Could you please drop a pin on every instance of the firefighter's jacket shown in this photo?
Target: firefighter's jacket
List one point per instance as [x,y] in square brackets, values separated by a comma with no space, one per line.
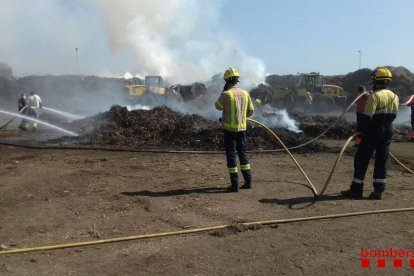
[236,105]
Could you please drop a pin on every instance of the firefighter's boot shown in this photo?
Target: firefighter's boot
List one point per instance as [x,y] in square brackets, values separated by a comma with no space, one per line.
[355,191]
[234,179]
[247,175]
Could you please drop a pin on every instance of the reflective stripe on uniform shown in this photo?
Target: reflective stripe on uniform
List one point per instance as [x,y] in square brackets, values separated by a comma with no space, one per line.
[379,180]
[232,170]
[219,106]
[356,180]
[245,167]
[233,124]
[246,98]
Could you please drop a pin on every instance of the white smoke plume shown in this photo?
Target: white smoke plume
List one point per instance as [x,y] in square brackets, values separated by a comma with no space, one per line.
[180,40]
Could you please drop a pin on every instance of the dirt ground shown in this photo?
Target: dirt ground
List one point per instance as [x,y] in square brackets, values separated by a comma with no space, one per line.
[51,197]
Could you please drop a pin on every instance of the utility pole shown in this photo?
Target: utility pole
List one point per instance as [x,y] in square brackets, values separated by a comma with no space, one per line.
[77,64]
[360,53]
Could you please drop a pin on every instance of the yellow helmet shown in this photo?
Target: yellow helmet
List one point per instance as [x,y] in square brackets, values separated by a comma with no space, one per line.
[231,72]
[382,74]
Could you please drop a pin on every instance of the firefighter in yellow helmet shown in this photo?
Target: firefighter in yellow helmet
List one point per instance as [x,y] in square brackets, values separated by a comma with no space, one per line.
[412,123]
[236,105]
[410,103]
[376,130]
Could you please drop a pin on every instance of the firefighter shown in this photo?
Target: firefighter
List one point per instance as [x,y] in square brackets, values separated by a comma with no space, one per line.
[34,102]
[360,107]
[410,103]
[412,122]
[23,109]
[236,105]
[412,118]
[376,129]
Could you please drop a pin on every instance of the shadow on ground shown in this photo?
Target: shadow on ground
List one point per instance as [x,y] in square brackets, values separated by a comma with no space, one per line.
[293,203]
[206,190]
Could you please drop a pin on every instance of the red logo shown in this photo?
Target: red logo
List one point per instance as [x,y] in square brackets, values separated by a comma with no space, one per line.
[391,257]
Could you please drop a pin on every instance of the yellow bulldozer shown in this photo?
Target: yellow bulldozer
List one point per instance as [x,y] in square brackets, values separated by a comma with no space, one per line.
[152,85]
[310,94]
[324,97]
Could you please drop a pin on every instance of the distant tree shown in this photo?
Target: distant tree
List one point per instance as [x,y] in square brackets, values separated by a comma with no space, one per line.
[5,70]
[352,80]
[403,81]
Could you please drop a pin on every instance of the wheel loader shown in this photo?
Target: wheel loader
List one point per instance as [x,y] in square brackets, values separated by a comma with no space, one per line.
[309,94]
[153,87]
[324,97]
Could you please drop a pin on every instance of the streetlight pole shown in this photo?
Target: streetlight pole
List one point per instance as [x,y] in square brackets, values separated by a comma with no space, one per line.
[360,53]
[77,64]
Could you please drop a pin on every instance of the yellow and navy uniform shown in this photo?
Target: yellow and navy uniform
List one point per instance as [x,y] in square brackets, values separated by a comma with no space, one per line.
[236,105]
[412,122]
[381,109]
[376,127]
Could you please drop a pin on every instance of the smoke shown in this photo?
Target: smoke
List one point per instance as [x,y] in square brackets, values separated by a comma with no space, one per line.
[275,118]
[403,116]
[204,106]
[180,40]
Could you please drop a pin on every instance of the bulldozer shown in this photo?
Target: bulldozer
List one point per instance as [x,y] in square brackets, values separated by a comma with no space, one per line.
[191,91]
[309,94]
[152,85]
[324,97]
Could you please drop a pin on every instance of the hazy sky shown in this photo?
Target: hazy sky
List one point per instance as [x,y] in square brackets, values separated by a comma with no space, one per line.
[190,40]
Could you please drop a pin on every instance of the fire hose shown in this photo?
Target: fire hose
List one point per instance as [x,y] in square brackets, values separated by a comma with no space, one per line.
[220,227]
[246,224]
[204,229]
[314,190]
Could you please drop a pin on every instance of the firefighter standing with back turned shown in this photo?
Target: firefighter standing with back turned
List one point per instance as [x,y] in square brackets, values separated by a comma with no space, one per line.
[34,103]
[411,104]
[376,129]
[236,105]
[412,122]
[22,106]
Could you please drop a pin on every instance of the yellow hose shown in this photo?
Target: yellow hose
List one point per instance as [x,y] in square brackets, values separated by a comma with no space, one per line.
[336,163]
[401,164]
[314,190]
[291,156]
[198,230]
[205,229]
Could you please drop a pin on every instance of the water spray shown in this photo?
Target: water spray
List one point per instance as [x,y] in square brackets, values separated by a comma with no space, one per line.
[40,122]
[138,106]
[65,114]
[9,122]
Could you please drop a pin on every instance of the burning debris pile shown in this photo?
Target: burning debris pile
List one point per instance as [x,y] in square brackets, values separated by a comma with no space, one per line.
[163,128]
[315,125]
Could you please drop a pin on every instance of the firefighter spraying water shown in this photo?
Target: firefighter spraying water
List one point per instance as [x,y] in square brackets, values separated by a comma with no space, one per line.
[34,121]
